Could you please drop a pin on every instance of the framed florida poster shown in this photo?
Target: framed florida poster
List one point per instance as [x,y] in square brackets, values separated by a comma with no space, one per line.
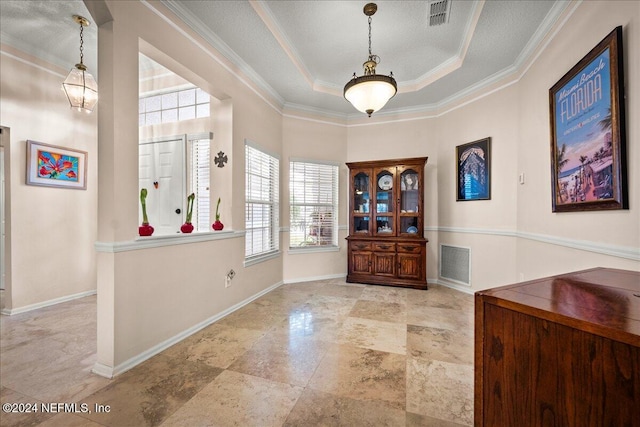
[588,136]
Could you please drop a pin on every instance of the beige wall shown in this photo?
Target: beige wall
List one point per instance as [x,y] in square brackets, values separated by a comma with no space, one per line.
[404,139]
[147,296]
[325,142]
[52,229]
[605,230]
[479,225]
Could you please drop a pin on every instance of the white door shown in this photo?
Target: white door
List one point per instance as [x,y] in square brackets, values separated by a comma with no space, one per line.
[162,173]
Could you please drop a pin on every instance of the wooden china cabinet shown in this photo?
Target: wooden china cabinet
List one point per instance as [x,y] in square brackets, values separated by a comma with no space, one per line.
[386,244]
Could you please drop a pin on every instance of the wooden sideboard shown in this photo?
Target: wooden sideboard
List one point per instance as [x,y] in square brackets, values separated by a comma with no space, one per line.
[559,351]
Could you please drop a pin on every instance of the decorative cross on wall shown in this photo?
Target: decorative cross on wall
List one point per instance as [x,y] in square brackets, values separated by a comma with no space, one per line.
[220,159]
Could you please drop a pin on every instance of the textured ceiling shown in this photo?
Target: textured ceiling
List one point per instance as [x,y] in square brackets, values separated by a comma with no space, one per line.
[303,52]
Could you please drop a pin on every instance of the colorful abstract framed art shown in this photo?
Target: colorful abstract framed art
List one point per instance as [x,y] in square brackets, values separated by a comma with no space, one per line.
[588,137]
[52,166]
[474,170]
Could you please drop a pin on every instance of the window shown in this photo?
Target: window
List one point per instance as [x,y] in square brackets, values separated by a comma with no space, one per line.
[173,106]
[199,161]
[262,203]
[313,191]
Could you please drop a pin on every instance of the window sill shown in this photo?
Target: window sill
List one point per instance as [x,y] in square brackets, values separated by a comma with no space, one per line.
[312,249]
[166,240]
[261,258]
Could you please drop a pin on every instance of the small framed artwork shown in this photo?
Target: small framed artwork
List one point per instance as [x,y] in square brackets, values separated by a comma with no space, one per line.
[52,166]
[474,170]
[588,136]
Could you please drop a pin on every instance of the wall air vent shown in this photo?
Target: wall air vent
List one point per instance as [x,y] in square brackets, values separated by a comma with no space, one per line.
[439,12]
[455,264]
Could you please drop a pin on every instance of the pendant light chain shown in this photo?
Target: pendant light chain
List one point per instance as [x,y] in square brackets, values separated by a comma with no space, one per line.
[370,92]
[369,35]
[81,43]
[80,86]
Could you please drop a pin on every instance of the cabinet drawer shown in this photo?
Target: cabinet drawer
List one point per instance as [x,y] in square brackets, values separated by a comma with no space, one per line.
[409,248]
[384,247]
[360,246]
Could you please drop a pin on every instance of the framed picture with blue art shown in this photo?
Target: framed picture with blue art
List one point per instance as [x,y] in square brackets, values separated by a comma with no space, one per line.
[588,136]
[474,170]
[52,166]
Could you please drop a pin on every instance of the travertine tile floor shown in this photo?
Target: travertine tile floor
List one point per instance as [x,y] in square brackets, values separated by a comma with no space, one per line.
[323,353]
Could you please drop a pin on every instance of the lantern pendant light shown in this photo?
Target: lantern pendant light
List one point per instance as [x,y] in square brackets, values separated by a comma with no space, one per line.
[80,86]
[370,92]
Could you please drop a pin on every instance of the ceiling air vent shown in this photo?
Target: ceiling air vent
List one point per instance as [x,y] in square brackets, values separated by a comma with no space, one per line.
[439,12]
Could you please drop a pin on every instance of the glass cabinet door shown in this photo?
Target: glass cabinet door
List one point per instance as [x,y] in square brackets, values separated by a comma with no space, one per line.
[361,203]
[385,203]
[409,201]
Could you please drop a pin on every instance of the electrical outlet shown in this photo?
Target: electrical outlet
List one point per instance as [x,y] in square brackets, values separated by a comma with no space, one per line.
[227,279]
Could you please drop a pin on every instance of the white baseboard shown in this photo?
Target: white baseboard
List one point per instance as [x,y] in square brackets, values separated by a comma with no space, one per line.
[30,307]
[314,278]
[465,289]
[110,372]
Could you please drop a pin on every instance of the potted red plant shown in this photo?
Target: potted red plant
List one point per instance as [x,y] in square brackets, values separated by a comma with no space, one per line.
[145,229]
[218,225]
[187,227]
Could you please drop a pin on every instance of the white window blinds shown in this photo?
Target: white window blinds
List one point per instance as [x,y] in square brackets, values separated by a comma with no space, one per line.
[199,165]
[313,189]
[262,202]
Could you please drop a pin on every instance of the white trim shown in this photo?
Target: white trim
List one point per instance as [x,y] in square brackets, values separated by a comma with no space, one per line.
[312,249]
[39,67]
[102,370]
[257,259]
[168,240]
[108,372]
[199,136]
[465,289]
[327,114]
[250,143]
[47,303]
[288,229]
[492,232]
[518,69]
[266,15]
[218,45]
[524,63]
[182,137]
[454,62]
[314,161]
[314,278]
[626,252]
[585,245]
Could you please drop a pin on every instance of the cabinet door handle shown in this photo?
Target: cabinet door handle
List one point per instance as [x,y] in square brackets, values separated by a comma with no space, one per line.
[409,248]
[385,247]
[361,246]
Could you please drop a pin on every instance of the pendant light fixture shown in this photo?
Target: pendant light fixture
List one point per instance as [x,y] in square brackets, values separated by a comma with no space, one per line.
[370,92]
[80,86]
